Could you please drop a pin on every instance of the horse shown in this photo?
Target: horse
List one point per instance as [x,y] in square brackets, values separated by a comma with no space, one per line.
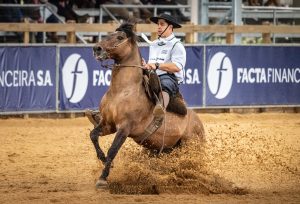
[125,109]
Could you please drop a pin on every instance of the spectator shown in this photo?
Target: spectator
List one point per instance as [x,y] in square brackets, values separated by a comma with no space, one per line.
[12,14]
[132,14]
[176,13]
[138,13]
[147,2]
[123,13]
[51,18]
[272,3]
[65,9]
[254,3]
[32,13]
[85,3]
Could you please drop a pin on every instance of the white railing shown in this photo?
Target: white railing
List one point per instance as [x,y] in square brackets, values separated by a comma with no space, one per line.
[43,8]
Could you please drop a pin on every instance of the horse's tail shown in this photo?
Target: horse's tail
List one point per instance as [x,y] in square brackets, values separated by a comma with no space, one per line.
[195,128]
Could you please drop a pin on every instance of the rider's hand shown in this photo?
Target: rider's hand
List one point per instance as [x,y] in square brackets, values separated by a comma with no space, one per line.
[143,62]
[150,66]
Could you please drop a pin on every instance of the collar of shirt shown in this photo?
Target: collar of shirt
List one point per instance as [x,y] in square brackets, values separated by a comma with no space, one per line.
[163,41]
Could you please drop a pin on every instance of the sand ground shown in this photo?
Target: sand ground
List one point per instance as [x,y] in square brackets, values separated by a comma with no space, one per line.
[248,158]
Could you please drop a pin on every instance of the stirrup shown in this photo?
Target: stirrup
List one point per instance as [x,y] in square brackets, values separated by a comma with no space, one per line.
[91,116]
[158,110]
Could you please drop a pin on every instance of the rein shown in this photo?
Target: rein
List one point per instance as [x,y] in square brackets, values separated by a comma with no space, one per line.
[111,66]
[129,65]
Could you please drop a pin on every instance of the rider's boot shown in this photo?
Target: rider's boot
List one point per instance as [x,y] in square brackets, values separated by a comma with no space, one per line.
[161,104]
[93,116]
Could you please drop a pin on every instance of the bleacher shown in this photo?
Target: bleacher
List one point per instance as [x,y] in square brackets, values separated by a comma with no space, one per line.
[209,14]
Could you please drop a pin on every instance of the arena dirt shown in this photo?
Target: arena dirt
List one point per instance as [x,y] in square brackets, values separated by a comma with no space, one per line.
[253,158]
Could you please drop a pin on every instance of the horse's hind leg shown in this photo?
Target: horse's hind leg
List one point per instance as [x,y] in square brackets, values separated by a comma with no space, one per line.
[94,135]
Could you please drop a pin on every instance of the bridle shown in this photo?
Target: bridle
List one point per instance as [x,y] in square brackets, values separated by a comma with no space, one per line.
[114,65]
[118,45]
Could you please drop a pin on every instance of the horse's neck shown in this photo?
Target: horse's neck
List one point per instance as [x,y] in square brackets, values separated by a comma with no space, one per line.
[129,72]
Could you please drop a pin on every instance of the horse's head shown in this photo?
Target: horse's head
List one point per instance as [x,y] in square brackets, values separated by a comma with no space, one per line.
[116,45]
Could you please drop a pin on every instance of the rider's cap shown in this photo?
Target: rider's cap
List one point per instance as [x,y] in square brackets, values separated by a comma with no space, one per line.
[170,19]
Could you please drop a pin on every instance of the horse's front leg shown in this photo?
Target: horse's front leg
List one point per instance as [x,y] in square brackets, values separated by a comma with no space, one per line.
[94,135]
[120,138]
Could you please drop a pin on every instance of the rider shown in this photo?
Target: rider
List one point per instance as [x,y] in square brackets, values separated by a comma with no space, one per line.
[167,57]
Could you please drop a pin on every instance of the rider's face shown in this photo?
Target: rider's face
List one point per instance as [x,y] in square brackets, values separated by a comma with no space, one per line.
[161,26]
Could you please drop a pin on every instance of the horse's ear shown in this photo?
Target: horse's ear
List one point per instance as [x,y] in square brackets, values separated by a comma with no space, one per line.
[133,22]
[128,28]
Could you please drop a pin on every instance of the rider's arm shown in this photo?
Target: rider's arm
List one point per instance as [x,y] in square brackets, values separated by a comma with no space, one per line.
[169,67]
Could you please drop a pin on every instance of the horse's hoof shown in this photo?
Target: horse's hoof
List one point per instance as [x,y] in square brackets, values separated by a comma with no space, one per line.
[101,183]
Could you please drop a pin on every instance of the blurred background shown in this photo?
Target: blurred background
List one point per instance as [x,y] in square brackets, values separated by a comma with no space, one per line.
[211,13]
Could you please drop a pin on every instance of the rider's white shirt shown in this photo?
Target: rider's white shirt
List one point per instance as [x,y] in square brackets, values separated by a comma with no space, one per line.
[166,50]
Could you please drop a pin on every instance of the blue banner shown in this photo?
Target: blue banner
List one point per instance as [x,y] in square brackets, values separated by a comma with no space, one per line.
[252,75]
[192,87]
[27,78]
[84,81]
[234,76]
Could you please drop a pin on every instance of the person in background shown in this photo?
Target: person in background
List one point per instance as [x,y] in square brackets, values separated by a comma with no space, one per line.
[127,14]
[138,13]
[174,12]
[254,3]
[271,3]
[122,13]
[12,15]
[65,9]
[85,3]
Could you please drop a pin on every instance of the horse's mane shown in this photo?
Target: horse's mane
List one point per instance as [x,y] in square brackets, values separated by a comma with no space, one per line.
[128,28]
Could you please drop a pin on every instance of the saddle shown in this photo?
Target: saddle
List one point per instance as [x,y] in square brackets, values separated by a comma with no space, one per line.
[153,88]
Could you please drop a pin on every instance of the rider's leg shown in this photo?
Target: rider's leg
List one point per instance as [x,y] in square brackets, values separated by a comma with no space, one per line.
[161,104]
[166,98]
[169,87]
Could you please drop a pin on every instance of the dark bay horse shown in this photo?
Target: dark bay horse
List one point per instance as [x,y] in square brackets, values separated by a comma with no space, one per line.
[126,110]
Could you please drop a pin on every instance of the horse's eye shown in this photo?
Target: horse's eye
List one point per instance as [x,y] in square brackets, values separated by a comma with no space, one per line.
[120,38]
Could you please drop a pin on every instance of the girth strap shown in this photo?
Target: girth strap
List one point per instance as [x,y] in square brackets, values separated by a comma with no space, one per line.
[152,127]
